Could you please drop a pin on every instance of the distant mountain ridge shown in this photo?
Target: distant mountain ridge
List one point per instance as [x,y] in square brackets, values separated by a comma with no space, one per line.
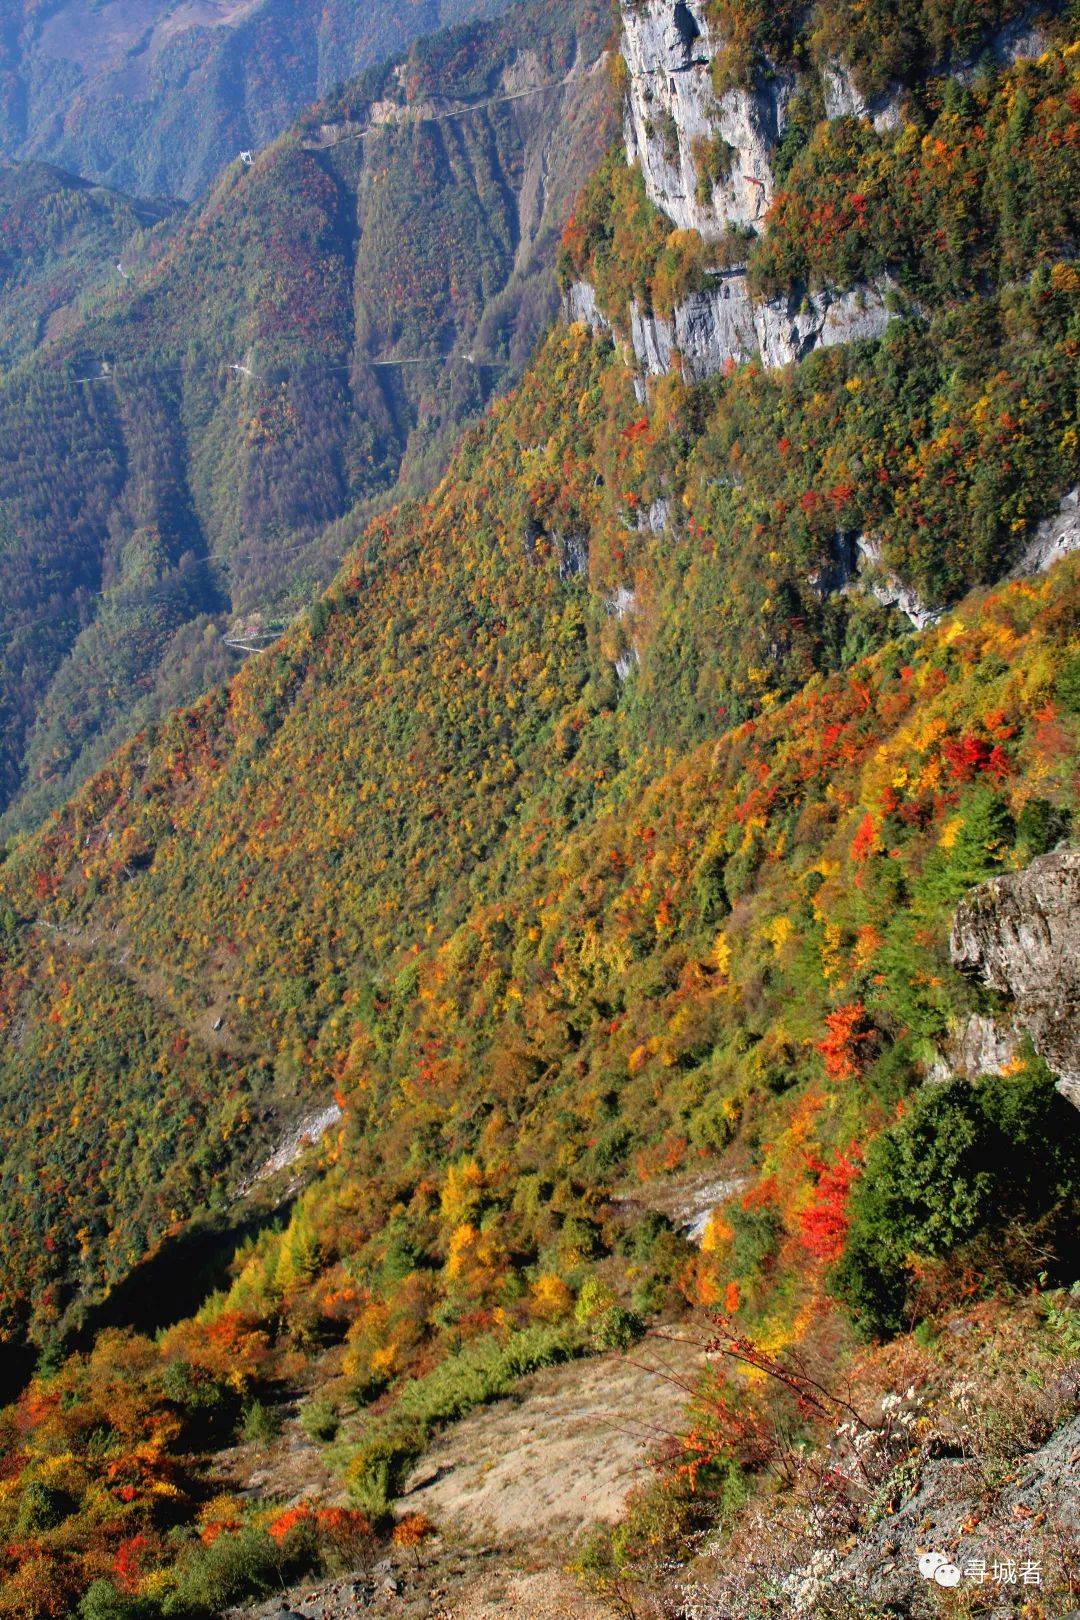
[322,324]
[153,96]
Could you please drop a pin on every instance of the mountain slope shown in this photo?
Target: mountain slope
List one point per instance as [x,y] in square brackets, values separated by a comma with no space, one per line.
[500,655]
[60,237]
[155,96]
[745,951]
[598,835]
[176,457]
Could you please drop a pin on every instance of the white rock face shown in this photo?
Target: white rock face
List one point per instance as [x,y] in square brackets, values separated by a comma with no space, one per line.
[885,588]
[623,608]
[656,518]
[1054,539]
[581,305]
[721,324]
[672,109]
[842,100]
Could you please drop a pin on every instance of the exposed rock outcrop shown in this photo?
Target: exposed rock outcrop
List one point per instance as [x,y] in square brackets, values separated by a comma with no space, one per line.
[1020,934]
[573,552]
[975,1520]
[721,324]
[707,163]
[885,588]
[706,160]
[1055,538]
[581,305]
[976,1047]
[843,100]
[657,518]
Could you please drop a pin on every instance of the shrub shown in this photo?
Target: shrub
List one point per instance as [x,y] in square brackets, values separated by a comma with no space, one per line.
[713,158]
[42,1508]
[1068,686]
[756,1237]
[1040,826]
[377,1469]
[103,1602]
[319,1420]
[617,1328]
[234,1567]
[712,1126]
[595,1298]
[710,894]
[962,1161]
[259,1425]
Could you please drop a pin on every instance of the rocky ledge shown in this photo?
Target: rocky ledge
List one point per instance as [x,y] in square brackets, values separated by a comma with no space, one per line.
[722,324]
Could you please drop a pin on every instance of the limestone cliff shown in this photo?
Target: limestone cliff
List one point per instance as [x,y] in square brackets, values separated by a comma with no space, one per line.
[723,323]
[1020,934]
[1057,537]
[706,160]
[708,163]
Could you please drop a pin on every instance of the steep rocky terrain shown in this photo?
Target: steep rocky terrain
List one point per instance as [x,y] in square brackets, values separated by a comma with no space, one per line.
[708,152]
[154,96]
[1018,934]
[589,855]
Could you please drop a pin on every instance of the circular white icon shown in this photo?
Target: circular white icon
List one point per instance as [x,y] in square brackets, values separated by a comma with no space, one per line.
[930,1563]
[947,1574]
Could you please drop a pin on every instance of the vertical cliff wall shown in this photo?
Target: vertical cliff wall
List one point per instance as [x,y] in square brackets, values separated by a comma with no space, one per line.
[708,161]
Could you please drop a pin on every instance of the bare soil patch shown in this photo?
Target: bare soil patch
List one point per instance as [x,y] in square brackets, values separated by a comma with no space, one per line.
[564,1453]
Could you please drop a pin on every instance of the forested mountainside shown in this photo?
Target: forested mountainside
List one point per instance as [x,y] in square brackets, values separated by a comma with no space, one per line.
[605,824]
[61,238]
[154,96]
[319,327]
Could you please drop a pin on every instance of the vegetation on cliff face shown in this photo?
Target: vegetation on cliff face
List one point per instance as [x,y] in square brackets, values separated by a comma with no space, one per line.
[976,188]
[595,826]
[885,46]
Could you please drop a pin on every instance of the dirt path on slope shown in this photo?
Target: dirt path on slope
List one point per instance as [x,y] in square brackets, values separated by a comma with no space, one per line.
[109,949]
[511,1489]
